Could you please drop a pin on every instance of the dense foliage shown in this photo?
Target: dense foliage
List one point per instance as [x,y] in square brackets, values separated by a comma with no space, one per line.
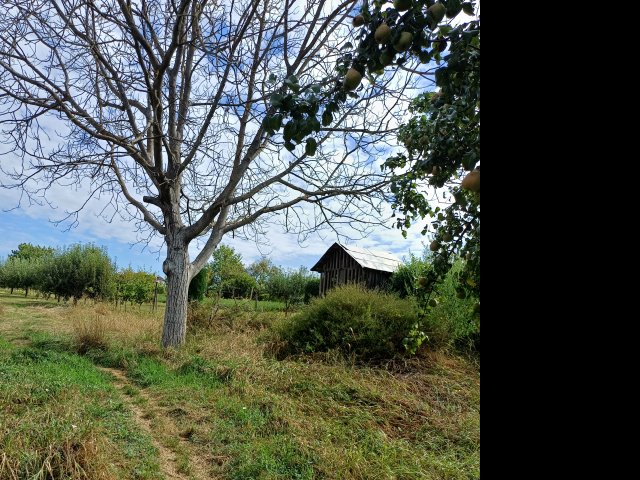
[448,316]
[228,277]
[77,271]
[198,286]
[74,272]
[135,287]
[367,324]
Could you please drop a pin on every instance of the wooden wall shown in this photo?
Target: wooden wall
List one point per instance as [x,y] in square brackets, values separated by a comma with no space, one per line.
[341,269]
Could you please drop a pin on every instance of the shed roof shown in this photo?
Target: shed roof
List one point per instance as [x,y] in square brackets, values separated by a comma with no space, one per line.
[372,259]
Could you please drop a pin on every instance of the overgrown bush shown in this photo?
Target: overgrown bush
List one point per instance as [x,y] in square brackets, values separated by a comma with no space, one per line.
[369,325]
[449,316]
[135,287]
[201,314]
[90,334]
[452,321]
[198,285]
[406,279]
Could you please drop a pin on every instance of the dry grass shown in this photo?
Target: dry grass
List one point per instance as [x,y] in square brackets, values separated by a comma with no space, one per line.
[251,416]
[72,460]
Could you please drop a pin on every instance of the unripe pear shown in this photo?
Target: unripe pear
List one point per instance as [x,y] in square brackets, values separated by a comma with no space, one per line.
[358,21]
[402,5]
[404,42]
[383,34]
[437,11]
[472,181]
[352,79]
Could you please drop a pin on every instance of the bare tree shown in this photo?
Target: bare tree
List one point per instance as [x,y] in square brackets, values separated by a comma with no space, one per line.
[168,110]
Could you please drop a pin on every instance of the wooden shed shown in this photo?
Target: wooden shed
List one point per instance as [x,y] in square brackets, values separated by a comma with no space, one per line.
[342,264]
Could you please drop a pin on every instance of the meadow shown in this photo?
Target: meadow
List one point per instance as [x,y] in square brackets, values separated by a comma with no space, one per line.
[87,393]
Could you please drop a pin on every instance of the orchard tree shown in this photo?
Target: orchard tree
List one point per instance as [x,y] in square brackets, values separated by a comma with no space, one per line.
[442,137]
[196,118]
[135,287]
[228,276]
[79,270]
[438,42]
[27,251]
[261,271]
[19,272]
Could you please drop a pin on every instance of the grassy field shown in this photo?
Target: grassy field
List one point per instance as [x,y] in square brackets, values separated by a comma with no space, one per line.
[85,392]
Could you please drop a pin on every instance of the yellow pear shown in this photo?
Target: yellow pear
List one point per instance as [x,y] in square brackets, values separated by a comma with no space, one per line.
[472,181]
[358,21]
[404,42]
[383,34]
[352,79]
[437,11]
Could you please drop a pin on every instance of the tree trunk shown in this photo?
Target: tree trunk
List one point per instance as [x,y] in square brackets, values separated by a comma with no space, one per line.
[176,268]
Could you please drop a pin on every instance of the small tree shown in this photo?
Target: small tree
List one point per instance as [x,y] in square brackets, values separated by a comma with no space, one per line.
[23,266]
[79,270]
[135,287]
[229,278]
[28,251]
[262,270]
[289,286]
[198,285]
[20,272]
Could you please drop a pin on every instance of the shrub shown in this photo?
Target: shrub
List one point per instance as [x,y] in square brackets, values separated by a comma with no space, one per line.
[135,287]
[201,314]
[368,324]
[90,334]
[198,285]
[453,321]
[405,280]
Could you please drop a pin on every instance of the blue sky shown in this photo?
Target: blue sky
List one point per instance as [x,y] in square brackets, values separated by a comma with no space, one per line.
[31,224]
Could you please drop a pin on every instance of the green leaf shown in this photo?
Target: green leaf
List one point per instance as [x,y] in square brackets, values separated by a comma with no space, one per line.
[289,131]
[277,100]
[311,147]
[453,8]
[289,146]
[292,83]
[327,118]
[467,7]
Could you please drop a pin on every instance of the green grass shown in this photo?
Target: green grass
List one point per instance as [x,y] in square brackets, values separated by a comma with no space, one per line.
[250,305]
[61,418]
[222,402]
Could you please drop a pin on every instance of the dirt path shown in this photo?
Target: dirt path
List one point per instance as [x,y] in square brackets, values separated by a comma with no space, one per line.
[168,459]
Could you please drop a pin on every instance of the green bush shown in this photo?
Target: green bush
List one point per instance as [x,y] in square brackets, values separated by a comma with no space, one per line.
[451,321]
[405,281]
[135,287]
[198,285]
[450,317]
[370,325]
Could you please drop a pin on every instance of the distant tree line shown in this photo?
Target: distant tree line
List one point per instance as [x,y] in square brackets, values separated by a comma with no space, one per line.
[86,271]
[75,272]
[227,277]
